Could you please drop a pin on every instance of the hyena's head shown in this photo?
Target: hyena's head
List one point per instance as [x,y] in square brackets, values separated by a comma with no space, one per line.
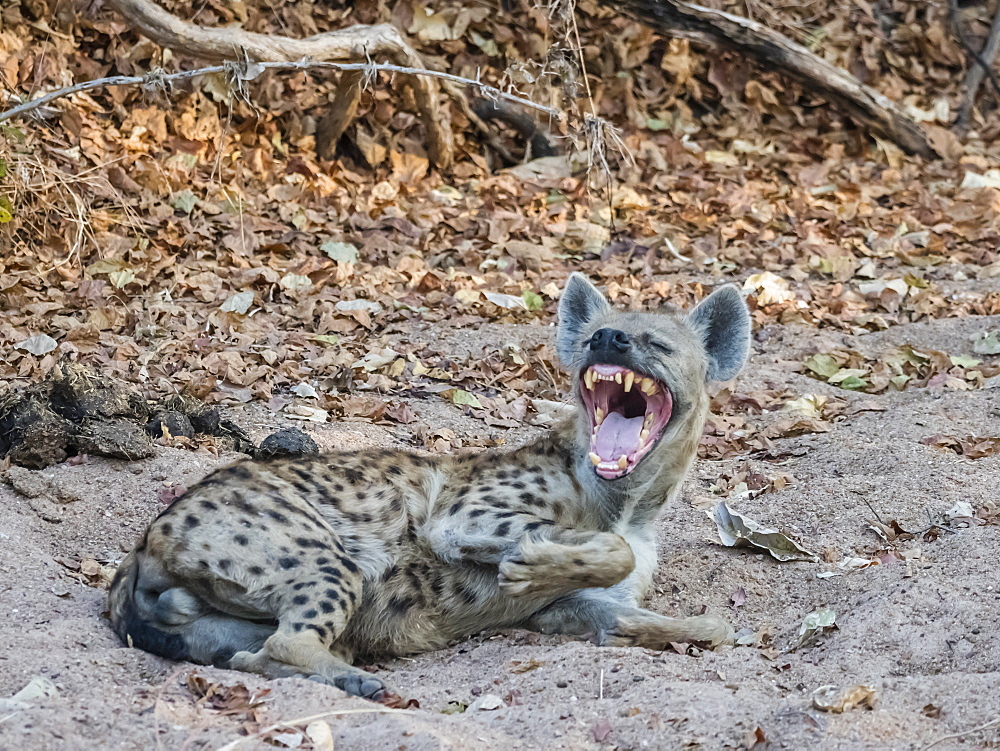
[641,377]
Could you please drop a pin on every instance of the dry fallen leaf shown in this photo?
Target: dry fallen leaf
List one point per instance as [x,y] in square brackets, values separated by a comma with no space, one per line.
[837,700]
[736,531]
[815,623]
[39,344]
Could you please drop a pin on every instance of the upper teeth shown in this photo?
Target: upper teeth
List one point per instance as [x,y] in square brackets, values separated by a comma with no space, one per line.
[627,378]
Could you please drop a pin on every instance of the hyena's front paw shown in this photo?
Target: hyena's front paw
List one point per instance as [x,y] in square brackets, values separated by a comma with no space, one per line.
[653,631]
[552,568]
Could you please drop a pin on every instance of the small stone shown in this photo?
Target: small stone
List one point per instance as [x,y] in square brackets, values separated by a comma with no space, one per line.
[561,684]
[177,423]
[287,442]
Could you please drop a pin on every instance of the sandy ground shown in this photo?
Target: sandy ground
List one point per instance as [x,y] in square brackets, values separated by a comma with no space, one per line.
[921,631]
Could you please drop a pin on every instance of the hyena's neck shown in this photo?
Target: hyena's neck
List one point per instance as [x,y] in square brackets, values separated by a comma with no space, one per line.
[634,500]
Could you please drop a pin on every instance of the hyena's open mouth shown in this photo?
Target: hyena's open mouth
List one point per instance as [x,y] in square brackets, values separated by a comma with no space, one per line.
[628,412]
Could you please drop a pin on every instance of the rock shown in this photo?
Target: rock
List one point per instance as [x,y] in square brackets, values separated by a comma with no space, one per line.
[117,438]
[287,442]
[177,423]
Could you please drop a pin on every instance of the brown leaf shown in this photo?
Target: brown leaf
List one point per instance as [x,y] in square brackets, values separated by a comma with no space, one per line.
[601,730]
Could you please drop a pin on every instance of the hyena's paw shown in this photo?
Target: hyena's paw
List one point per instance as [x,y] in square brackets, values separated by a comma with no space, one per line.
[552,568]
[359,683]
[653,631]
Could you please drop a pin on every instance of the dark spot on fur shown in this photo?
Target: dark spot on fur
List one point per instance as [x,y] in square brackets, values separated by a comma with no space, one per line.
[167,529]
[277,516]
[225,563]
[241,540]
[349,565]
[305,542]
[579,562]
[288,562]
[399,605]
[476,512]
[240,472]
[532,526]
[300,599]
[310,613]
[208,506]
[455,508]
[503,529]
[191,521]
[332,572]
[256,570]
[326,606]
[297,627]
[467,594]
[322,632]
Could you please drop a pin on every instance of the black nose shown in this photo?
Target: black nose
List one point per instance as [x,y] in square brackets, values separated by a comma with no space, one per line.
[609,340]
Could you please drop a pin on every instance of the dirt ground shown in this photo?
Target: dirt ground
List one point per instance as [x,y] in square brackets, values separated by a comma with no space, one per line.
[921,628]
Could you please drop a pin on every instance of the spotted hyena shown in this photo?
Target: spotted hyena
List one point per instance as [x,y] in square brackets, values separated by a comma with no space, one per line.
[297,567]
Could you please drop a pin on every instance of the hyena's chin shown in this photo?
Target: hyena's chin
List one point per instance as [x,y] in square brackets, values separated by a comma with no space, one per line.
[628,412]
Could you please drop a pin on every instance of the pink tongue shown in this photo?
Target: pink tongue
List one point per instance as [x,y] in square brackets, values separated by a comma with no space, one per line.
[618,435]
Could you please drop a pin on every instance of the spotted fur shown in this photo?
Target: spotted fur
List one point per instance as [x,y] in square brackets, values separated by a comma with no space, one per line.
[300,567]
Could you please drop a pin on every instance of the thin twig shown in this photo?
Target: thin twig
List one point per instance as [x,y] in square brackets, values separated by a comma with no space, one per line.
[995,723]
[247,71]
[877,517]
[673,250]
[300,720]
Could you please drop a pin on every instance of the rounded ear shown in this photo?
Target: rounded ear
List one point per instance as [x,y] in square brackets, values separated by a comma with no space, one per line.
[723,323]
[580,304]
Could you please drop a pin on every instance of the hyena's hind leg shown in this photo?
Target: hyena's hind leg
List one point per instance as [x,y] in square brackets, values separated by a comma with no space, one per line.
[609,618]
[313,608]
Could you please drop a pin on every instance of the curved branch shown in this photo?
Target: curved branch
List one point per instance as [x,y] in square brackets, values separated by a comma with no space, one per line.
[777,52]
[353,44]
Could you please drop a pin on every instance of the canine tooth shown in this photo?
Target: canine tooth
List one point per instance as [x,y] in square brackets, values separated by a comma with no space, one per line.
[594,458]
[644,435]
[629,380]
[618,377]
[588,378]
[622,461]
[599,415]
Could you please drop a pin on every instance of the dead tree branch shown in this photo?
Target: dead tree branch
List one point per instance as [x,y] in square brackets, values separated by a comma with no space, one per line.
[774,51]
[352,45]
[980,65]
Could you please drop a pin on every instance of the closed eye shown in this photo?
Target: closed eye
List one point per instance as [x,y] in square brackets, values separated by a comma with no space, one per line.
[665,349]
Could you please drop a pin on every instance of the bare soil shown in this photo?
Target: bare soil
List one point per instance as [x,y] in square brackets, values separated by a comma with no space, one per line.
[921,628]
